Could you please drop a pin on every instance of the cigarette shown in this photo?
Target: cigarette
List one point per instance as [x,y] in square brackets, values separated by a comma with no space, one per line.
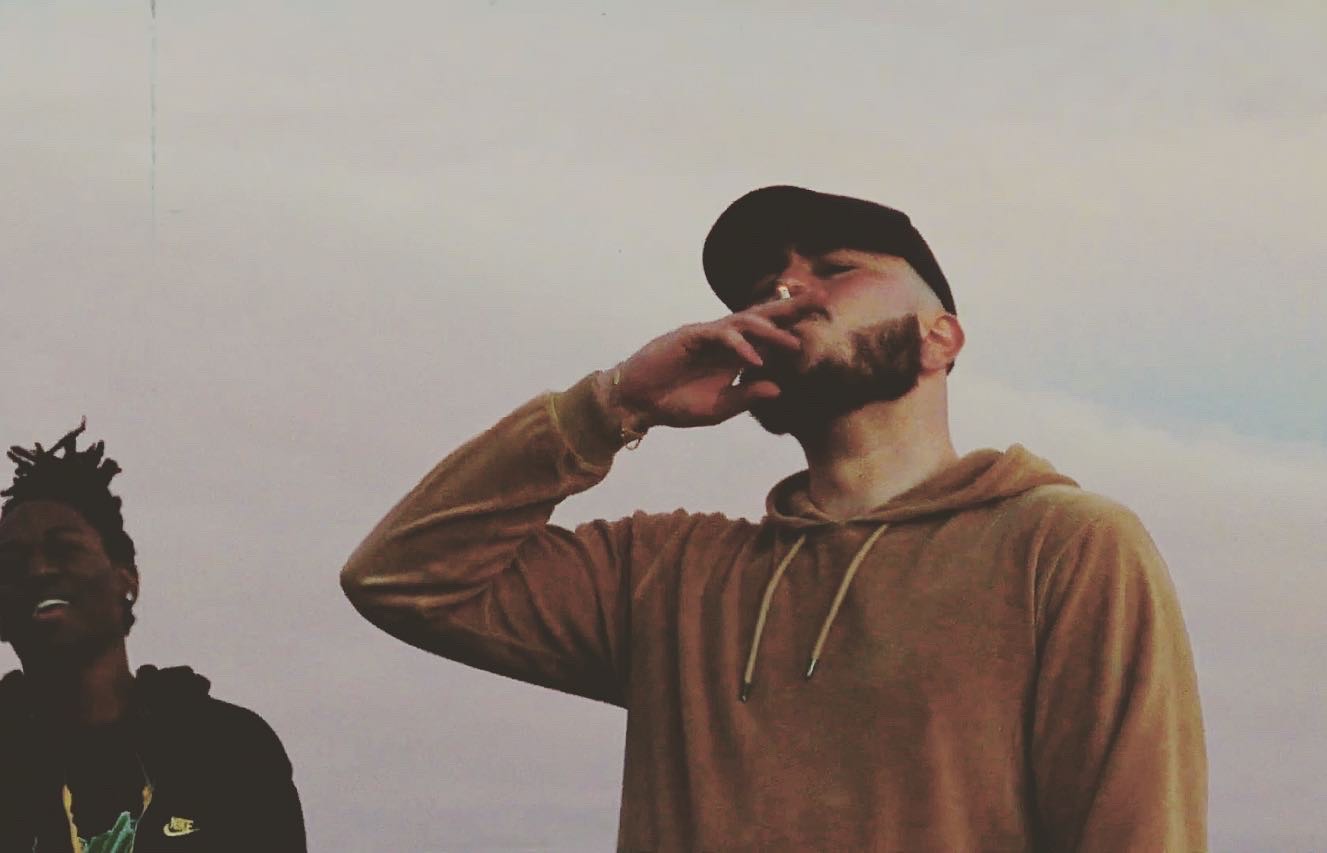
[784,292]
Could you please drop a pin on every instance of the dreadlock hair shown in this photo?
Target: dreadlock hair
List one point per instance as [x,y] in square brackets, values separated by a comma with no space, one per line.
[79,479]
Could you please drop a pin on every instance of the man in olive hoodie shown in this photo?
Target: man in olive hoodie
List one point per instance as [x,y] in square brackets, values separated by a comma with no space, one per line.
[911,651]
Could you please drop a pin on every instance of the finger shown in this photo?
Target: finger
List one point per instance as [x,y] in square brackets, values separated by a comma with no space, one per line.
[785,311]
[762,330]
[719,344]
[732,339]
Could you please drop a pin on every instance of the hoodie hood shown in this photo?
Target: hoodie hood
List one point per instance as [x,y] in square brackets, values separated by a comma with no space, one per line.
[173,685]
[978,478]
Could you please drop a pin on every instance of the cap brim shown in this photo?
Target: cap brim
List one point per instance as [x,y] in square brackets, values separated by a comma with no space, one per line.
[752,237]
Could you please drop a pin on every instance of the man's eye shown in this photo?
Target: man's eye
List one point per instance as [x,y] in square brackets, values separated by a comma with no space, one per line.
[829,270]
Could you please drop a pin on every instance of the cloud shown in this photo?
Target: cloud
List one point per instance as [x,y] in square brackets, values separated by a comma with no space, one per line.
[379,232]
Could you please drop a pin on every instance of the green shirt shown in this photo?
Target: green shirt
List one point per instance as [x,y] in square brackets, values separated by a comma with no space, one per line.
[118,839]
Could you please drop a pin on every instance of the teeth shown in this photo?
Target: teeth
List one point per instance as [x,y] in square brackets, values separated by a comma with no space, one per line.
[48,603]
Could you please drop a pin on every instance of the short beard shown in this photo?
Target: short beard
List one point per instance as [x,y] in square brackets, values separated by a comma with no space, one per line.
[885,364]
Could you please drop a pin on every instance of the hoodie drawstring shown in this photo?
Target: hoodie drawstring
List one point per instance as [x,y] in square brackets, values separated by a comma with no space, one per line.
[842,593]
[68,796]
[760,619]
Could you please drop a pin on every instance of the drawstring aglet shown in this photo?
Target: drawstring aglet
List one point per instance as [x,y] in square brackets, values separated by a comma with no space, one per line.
[745,693]
[811,670]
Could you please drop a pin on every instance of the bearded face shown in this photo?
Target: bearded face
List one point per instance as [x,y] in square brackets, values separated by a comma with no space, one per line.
[883,363]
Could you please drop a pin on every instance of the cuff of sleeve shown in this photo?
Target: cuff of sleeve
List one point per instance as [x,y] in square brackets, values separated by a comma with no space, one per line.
[592,433]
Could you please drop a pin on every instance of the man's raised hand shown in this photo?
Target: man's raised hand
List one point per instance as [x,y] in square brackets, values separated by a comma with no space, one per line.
[686,377]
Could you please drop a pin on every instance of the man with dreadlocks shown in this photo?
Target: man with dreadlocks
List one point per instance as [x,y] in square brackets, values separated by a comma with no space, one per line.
[93,757]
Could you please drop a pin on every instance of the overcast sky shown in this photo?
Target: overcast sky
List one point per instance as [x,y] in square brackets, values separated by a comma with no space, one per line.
[379,227]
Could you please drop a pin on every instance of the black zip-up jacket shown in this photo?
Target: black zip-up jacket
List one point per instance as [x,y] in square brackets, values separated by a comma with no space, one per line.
[221,779]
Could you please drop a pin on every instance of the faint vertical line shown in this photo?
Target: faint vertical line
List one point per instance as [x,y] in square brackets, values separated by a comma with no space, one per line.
[152,110]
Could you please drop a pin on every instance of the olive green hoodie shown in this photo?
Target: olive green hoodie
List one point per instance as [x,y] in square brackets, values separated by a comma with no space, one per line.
[1000,661]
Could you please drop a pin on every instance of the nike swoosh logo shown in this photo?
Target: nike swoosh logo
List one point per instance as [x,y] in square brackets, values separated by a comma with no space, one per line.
[178,827]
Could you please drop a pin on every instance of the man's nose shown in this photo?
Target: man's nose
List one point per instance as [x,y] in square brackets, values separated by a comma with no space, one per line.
[39,566]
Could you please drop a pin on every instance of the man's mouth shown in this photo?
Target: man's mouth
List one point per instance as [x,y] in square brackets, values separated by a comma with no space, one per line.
[49,606]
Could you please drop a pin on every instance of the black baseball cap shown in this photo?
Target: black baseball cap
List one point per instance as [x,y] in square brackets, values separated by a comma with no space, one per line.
[749,239]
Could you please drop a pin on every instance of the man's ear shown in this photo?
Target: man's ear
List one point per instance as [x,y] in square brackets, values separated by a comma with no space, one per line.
[128,579]
[941,341]
[128,592]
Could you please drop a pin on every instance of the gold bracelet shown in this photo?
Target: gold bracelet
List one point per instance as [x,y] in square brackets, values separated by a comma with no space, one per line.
[629,437]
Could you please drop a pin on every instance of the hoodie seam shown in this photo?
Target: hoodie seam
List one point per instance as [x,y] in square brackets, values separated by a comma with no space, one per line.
[550,406]
[1044,578]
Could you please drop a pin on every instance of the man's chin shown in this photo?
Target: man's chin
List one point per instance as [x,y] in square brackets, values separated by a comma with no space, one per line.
[773,422]
[802,411]
[63,648]
[790,414]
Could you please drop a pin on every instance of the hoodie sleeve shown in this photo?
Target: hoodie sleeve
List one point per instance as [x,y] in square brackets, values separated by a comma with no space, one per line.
[1117,745]
[467,566]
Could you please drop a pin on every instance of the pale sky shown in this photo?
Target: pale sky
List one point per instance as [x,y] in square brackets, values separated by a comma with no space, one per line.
[381,227]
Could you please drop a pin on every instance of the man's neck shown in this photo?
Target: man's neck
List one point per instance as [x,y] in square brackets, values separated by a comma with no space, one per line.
[94,693]
[876,453]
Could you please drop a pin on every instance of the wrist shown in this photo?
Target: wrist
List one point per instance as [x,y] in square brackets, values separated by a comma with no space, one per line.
[632,422]
[590,430]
